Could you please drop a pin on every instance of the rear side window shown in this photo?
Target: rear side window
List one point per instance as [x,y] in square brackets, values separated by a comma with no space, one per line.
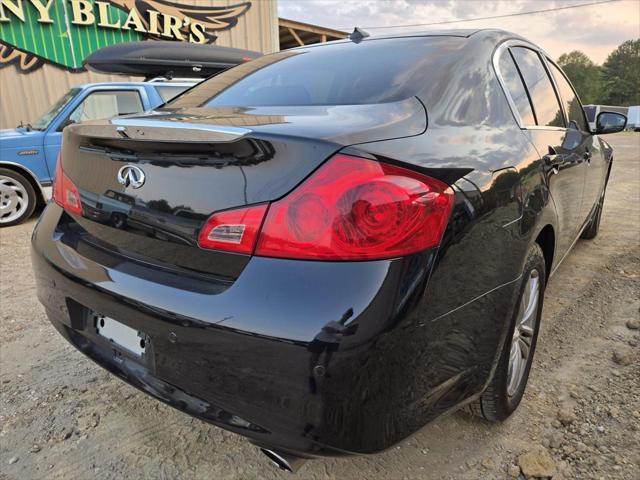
[543,96]
[107,104]
[572,104]
[513,83]
[169,92]
[374,71]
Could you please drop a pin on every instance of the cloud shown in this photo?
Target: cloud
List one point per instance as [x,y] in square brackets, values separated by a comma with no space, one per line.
[596,30]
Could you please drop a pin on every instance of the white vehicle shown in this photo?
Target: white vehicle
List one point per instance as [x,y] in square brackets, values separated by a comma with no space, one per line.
[633,118]
[592,112]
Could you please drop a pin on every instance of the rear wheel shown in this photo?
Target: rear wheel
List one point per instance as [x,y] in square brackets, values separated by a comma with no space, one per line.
[506,389]
[17,198]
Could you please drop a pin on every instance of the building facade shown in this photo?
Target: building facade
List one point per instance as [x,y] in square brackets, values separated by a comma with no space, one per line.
[43,43]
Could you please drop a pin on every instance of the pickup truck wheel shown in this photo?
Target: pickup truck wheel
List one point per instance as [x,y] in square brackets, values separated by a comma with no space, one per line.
[505,390]
[17,198]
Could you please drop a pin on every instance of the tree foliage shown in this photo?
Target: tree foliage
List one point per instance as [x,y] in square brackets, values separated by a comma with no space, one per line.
[621,75]
[583,73]
[616,82]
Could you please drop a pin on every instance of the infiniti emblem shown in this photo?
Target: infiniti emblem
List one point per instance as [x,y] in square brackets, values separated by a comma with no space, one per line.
[130,175]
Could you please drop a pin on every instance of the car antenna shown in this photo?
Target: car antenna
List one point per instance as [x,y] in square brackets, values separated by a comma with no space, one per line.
[358,34]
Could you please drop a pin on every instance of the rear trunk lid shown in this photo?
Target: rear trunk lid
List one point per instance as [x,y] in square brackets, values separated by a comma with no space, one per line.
[148,183]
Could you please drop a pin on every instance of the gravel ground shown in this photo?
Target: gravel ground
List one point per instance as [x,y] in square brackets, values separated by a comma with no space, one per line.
[61,416]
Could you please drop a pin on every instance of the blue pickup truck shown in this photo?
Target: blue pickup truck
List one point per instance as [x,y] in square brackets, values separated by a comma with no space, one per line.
[28,153]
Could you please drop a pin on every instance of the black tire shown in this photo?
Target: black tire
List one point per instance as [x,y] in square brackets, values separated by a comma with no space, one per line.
[27,195]
[591,230]
[495,404]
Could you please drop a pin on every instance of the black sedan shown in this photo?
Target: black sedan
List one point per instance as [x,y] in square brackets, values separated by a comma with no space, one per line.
[328,247]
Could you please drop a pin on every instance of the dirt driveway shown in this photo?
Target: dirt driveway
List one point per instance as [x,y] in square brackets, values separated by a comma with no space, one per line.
[61,416]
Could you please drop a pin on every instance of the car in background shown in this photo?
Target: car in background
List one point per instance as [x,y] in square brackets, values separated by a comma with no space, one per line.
[592,112]
[633,118]
[28,153]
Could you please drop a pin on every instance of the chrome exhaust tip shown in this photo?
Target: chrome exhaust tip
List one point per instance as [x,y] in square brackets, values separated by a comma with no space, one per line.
[284,461]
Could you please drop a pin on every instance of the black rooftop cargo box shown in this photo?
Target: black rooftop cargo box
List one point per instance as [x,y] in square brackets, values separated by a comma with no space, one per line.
[171,59]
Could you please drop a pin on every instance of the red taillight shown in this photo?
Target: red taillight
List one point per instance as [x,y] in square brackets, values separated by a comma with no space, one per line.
[233,230]
[65,192]
[350,209]
[357,209]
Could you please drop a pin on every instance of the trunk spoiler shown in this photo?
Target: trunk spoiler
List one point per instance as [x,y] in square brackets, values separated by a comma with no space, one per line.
[150,130]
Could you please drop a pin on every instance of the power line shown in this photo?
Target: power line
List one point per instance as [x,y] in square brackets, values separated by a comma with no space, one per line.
[491,17]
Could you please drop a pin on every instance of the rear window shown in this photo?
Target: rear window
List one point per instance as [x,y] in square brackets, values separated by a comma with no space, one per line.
[545,103]
[374,71]
[514,85]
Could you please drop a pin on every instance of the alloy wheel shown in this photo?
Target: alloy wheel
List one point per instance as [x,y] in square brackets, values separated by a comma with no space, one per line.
[14,199]
[523,333]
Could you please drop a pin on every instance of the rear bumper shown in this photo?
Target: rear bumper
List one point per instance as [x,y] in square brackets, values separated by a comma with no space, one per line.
[244,356]
[47,191]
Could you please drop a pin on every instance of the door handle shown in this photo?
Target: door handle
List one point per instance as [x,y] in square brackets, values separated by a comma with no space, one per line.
[587,156]
[553,160]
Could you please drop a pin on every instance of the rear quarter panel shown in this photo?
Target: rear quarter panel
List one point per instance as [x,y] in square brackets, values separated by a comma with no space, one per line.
[472,142]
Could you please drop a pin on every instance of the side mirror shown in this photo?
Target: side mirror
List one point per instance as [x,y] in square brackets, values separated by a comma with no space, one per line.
[610,122]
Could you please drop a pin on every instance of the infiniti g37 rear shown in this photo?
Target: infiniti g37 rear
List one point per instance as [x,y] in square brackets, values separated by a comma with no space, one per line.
[326,248]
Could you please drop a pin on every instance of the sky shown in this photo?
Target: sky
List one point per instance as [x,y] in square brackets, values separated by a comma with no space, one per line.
[596,30]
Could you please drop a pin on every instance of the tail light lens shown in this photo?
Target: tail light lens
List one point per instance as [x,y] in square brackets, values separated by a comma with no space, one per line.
[350,209]
[65,192]
[233,230]
[357,209]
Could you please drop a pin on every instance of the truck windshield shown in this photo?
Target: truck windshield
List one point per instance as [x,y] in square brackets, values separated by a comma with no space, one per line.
[43,122]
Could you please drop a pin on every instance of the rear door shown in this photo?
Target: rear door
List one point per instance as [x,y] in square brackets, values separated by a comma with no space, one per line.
[595,164]
[542,118]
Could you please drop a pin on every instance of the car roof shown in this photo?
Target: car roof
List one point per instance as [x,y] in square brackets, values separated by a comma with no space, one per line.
[495,34]
[456,32]
[451,32]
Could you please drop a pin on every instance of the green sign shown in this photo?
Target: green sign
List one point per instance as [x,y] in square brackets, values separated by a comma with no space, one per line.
[65,32]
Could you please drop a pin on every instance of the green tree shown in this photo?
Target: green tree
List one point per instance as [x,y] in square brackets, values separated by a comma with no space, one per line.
[621,75]
[584,75]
